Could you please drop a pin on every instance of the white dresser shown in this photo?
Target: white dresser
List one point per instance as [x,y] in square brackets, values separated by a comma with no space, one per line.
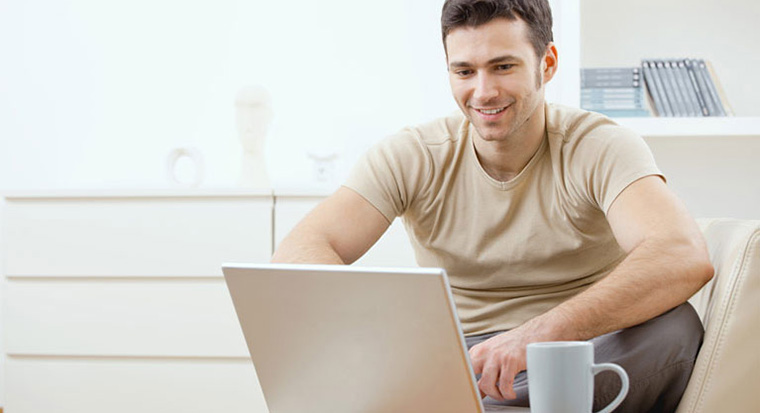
[115,302]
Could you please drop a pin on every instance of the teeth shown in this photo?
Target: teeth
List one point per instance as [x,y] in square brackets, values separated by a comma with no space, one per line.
[490,111]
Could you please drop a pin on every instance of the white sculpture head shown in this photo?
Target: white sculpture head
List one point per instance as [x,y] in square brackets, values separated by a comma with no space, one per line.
[254,115]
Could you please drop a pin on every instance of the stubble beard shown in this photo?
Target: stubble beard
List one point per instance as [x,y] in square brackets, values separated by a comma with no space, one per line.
[514,124]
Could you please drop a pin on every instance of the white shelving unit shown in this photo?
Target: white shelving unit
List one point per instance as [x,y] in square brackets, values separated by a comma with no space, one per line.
[568,31]
[693,127]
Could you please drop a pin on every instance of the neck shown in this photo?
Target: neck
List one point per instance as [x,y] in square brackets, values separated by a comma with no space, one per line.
[504,159]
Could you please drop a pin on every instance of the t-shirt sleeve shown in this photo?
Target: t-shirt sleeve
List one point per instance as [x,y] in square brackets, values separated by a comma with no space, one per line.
[609,159]
[392,173]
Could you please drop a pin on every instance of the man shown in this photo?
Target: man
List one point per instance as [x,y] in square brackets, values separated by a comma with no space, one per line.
[553,223]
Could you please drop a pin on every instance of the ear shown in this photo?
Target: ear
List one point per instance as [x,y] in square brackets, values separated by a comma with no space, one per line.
[550,62]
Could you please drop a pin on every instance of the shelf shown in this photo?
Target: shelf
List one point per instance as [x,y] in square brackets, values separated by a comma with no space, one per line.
[692,127]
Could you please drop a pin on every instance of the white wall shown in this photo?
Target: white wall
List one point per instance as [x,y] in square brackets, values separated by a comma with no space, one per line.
[96,93]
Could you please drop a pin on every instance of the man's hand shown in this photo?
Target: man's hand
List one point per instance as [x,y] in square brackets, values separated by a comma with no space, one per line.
[498,360]
[501,357]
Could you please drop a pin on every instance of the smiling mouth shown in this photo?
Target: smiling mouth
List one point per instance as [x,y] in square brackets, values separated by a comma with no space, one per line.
[491,111]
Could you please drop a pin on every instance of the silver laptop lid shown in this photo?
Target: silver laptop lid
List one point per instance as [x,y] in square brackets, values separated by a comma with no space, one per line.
[349,339]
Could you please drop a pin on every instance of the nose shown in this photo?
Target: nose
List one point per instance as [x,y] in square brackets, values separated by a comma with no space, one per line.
[485,88]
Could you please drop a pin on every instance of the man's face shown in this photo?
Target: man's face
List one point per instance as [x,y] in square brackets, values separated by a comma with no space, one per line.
[495,76]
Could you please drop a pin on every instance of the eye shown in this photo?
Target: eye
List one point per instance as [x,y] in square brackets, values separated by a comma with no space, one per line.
[505,67]
[463,72]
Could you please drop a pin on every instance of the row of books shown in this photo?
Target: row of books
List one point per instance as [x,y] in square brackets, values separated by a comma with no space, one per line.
[669,87]
[682,87]
[614,91]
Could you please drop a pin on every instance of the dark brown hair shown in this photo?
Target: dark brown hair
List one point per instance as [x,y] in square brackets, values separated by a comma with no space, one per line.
[472,13]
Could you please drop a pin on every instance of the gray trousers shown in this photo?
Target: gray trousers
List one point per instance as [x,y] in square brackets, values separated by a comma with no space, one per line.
[658,356]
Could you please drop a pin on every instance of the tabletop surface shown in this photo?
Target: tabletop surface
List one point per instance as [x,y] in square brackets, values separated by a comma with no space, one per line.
[492,408]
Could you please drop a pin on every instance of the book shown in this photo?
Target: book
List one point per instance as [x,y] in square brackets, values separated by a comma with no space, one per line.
[610,77]
[614,91]
[624,113]
[718,89]
[601,99]
[614,71]
[612,106]
[669,88]
[702,88]
[684,84]
[610,83]
[682,87]
[611,92]
[654,92]
[667,108]
[689,64]
[678,91]
[634,99]
[711,89]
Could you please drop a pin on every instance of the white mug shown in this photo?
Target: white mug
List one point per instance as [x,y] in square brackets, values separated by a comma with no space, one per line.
[561,377]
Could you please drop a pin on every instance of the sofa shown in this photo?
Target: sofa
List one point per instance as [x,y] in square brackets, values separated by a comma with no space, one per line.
[726,376]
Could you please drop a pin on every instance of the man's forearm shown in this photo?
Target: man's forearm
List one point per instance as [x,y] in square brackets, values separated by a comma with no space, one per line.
[338,231]
[655,277]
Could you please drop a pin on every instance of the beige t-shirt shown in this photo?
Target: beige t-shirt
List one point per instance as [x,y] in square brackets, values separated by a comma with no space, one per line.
[514,249]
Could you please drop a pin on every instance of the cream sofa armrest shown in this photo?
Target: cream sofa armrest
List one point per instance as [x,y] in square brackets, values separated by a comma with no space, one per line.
[726,376]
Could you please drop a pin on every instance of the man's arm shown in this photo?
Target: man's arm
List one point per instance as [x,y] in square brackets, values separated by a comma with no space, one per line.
[338,231]
[667,263]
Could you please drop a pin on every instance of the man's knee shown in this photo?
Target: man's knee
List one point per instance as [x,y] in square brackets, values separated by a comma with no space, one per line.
[658,356]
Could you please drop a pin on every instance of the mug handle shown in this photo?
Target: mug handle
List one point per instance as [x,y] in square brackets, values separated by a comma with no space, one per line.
[597,368]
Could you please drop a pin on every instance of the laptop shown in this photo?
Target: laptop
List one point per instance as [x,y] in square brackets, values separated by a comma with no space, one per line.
[343,339]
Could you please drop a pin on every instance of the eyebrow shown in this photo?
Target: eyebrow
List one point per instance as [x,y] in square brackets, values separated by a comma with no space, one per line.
[495,60]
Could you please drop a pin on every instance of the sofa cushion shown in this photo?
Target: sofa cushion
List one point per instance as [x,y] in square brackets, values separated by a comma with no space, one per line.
[726,377]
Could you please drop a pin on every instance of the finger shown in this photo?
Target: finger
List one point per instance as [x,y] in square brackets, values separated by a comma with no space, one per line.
[476,362]
[489,380]
[506,383]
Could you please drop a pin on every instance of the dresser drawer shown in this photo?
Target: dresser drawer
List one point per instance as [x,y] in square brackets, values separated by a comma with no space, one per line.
[91,385]
[134,236]
[135,317]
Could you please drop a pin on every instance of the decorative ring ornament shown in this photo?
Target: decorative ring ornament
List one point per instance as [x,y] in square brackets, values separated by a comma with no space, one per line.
[192,154]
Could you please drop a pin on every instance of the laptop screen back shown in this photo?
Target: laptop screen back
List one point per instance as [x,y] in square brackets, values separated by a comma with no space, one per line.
[348,339]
